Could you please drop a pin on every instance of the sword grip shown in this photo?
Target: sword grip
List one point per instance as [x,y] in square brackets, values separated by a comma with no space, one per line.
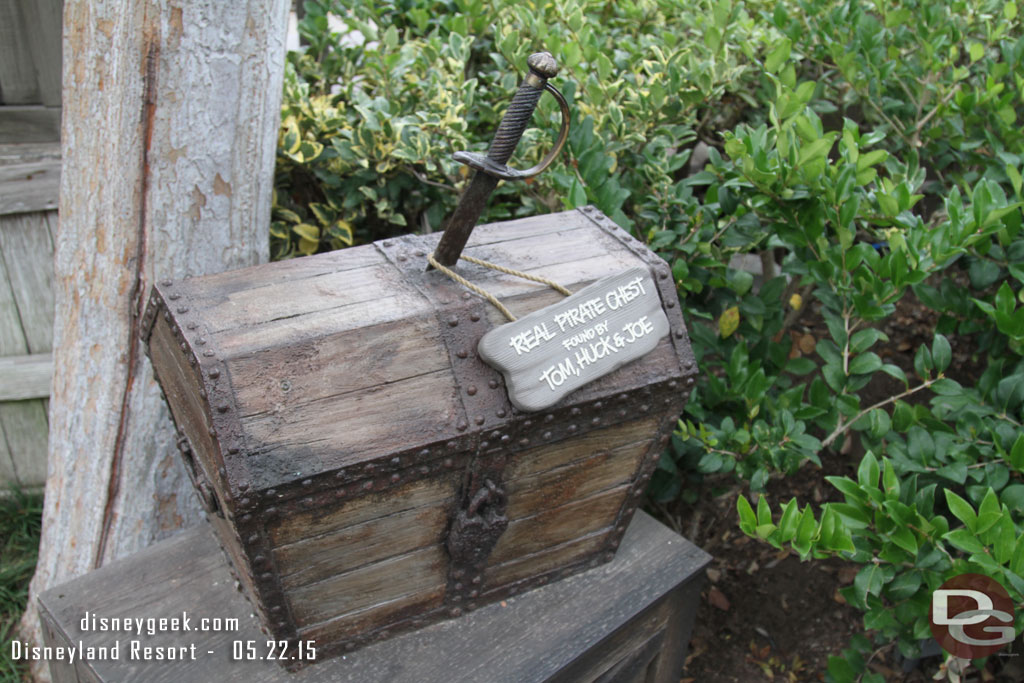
[517,118]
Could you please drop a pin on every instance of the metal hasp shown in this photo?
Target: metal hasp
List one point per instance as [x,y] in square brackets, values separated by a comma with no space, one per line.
[493,167]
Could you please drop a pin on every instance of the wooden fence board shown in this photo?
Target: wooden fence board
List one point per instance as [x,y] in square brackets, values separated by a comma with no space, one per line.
[25,377]
[28,256]
[25,431]
[30,185]
[43,25]
[18,83]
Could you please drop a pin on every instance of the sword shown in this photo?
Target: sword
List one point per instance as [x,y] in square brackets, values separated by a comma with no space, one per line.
[492,167]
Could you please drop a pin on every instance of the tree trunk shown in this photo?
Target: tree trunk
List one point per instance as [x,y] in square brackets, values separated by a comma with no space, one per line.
[170,120]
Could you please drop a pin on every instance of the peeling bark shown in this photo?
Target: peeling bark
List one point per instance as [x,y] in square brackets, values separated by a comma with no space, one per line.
[170,118]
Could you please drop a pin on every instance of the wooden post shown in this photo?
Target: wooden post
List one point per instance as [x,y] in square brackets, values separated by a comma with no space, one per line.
[170,116]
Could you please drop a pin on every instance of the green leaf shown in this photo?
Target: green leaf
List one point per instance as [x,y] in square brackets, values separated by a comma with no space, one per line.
[868,472]
[941,353]
[961,509]
[778,55]
[965,541]
[764,511]
[865,363]
[748,521]
[869,580]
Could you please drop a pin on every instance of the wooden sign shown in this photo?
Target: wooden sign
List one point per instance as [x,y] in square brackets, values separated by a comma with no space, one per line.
[551,352]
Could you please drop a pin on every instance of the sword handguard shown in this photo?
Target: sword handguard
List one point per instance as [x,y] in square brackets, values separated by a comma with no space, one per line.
[493,166]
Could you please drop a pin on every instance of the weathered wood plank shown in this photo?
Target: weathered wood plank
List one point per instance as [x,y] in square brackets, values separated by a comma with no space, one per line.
[293,331]
[433,492]
[316,559]
[578,480]
[559,525]
[330,433]
[29,185]
[25,377]
[548,457]
[288,378]
[272,276]
[25,429]
[421,571]
[545,560]
[531,638]
[43,32]
[372,617]
[531,226]
[17,74]
[320,293]
[28,255]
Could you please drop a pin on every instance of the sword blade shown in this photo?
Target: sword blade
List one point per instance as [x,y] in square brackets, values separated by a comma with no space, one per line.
[471,206]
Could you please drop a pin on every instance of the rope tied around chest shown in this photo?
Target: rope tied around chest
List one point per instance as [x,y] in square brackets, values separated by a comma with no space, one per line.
[501,269]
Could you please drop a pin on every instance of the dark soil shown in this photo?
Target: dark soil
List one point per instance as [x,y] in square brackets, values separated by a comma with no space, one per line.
[764,614]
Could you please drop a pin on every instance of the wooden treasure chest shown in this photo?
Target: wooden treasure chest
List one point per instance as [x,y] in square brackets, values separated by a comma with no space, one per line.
[350,430]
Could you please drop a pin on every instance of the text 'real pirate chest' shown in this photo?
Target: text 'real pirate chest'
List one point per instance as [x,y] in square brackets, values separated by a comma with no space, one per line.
[366,470]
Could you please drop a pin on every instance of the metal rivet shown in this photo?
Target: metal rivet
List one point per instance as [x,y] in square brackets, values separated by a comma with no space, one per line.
[471,390]
[461,353]
[574,412]
[475,317]
[182,309]
[212,431]
[670,304]
[388,243]
[622,412]
[202,393]
[527,424]
[167,316]
[458,573]
[479,419]
[271,512]
[466,296]
[549,417]
[457,586]
[662,274]
[453,321]
[174,297]
[689,382]
[208,353]
[501,412]
[184,346]
[368,485]
[547,435]
[524,441]
[493,384]
[401,259]
[396,461]
[396,477]
[166,283]
[448,463]
[222,408]
[476,581]
[473,594]
[275,608]
[269,492]
[455,612]
[598,405]
[191,326]
[425,452]
[306,483]
[424,469]
[255,538]
[244,503]
[644,408]
[461,426]
[679,334]
[484,445]
[214,374]
[201,341]
[572,429]
[673,384]
[233,450]
[246,518]
[656,456]
[453,445]
[420,252]
[505,438]
[608,557]
[596,421]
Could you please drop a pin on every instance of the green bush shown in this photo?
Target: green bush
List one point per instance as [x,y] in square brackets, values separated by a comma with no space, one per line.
[871,150]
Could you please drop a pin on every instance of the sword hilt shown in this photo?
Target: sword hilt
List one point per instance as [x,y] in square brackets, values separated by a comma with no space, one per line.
[494,164]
